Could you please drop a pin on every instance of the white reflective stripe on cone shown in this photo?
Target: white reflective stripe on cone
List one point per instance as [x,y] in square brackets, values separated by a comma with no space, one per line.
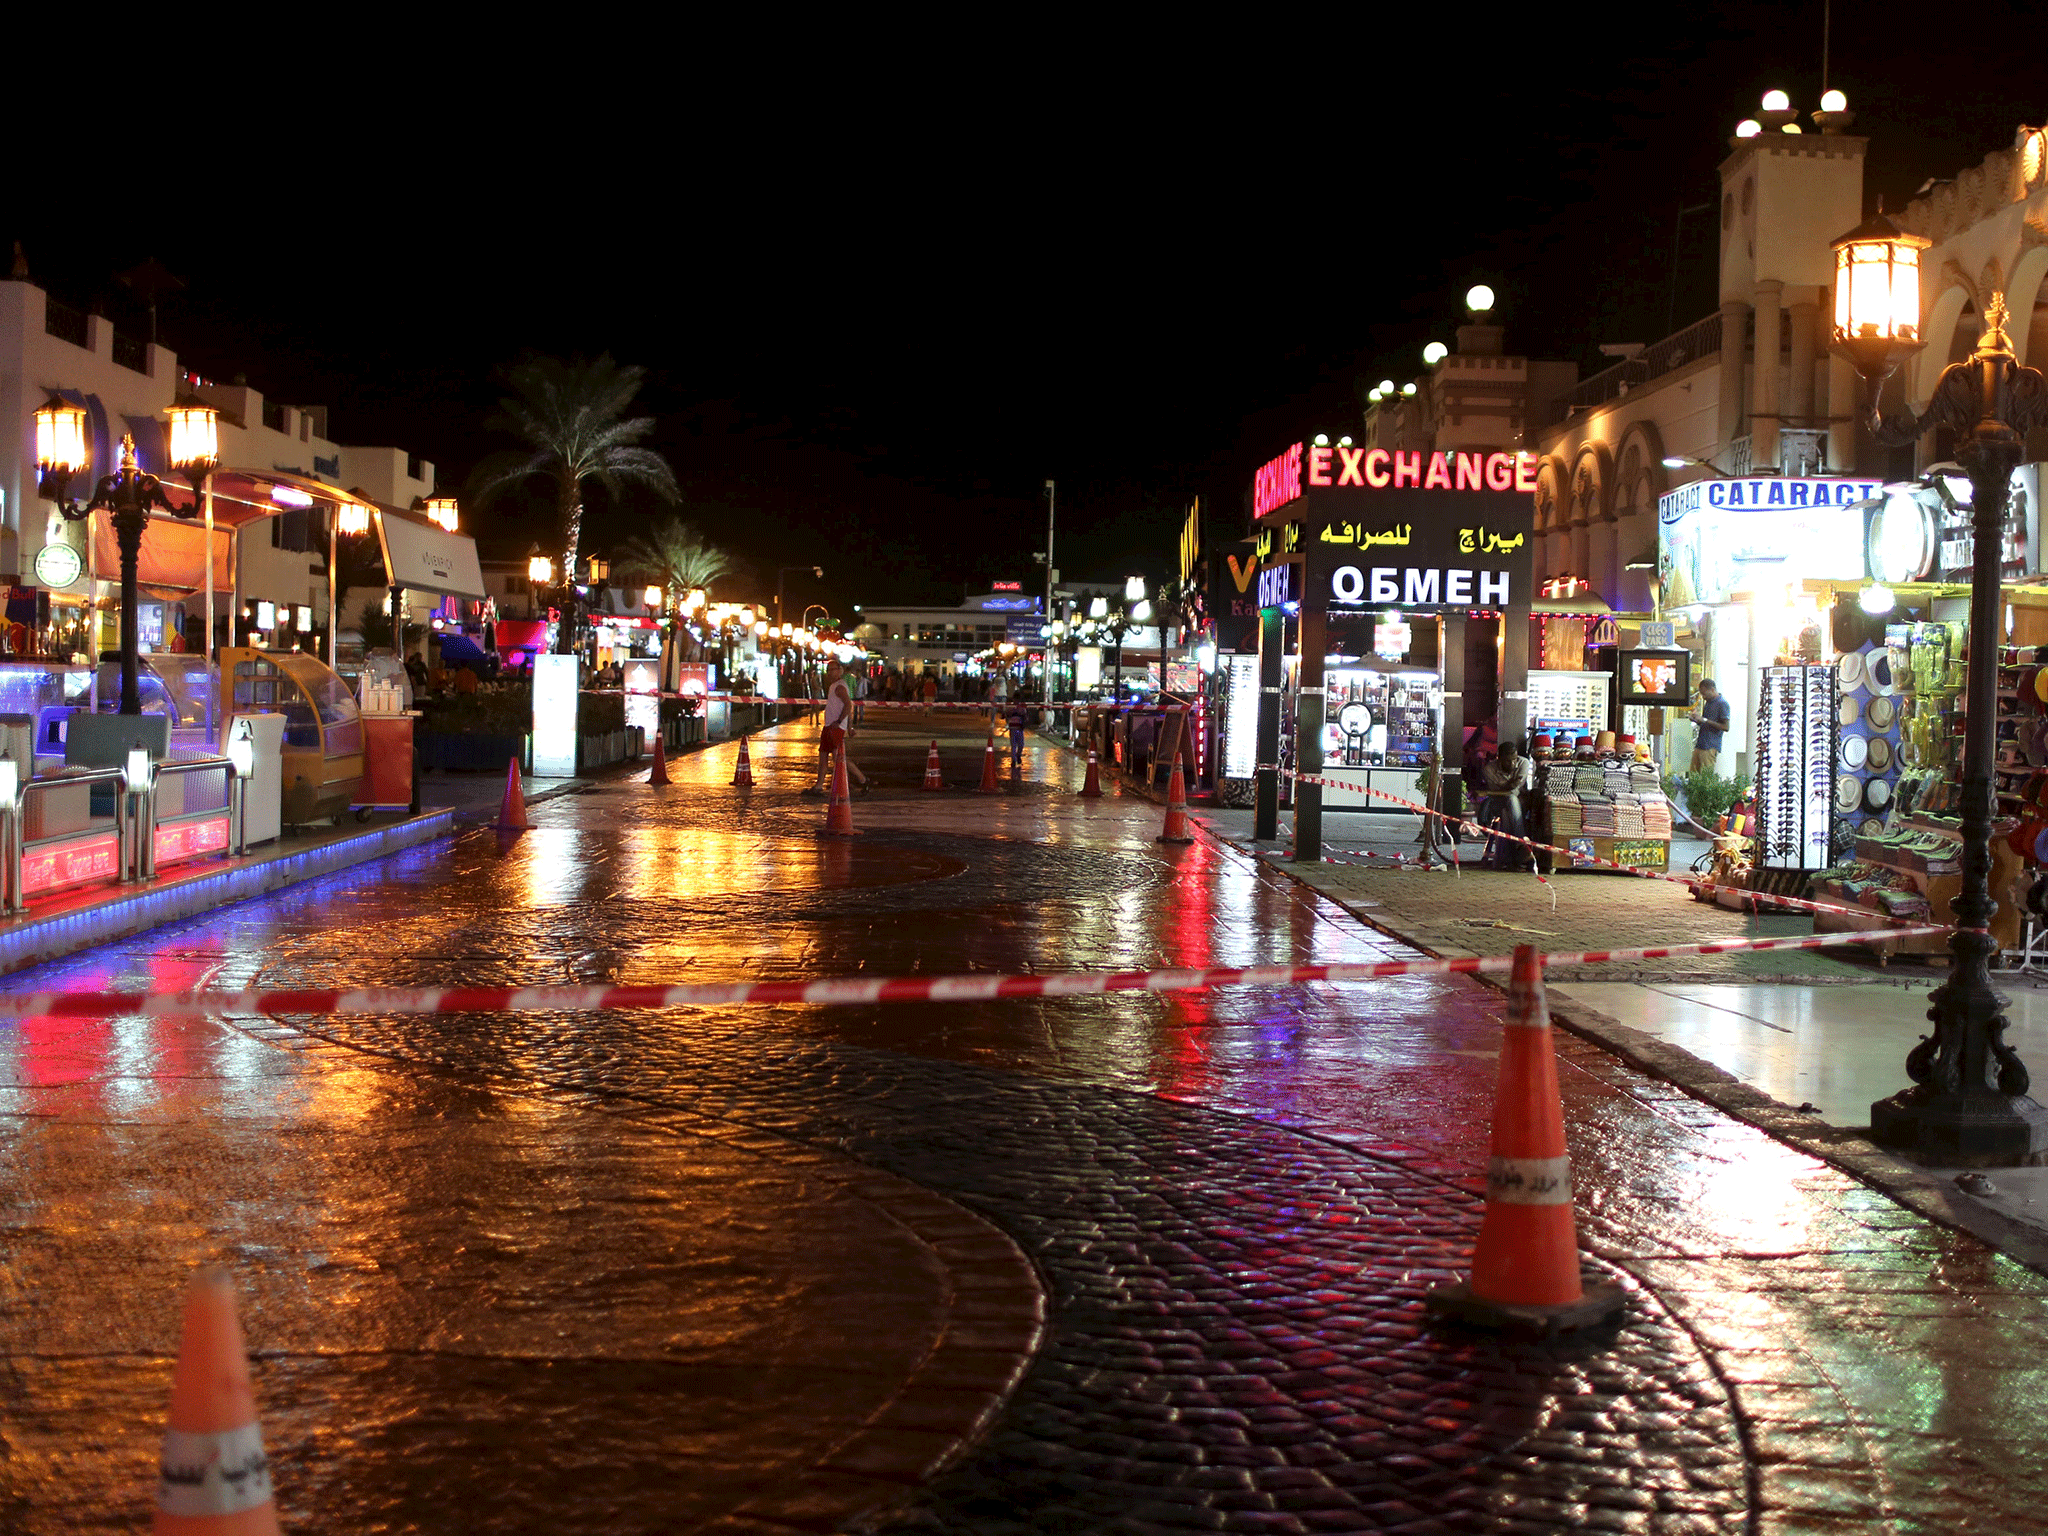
[213,1474]
[1529,1180]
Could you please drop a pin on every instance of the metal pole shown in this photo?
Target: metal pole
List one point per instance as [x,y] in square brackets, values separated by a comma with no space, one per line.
[1051,576]
[128,534]
[206,647]
[333,554]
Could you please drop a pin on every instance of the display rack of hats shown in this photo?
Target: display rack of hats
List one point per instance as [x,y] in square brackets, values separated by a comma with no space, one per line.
[1795,775]
[1898,848]
[1869,732]
[2020,826]
[1603,800]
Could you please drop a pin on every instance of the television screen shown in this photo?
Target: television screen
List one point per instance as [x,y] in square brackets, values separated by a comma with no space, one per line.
[1655,677]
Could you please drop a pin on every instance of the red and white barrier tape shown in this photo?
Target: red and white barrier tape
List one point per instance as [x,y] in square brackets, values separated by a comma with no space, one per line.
[844,991]
[1754,899]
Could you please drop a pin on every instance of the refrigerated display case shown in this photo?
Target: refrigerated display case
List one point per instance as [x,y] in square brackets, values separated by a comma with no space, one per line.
[323,729]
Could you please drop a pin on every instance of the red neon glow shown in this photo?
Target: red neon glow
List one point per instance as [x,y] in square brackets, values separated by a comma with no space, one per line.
[93,858]
[188,839]
[1277,482]
[1319,465]
[1006,586]
[1407,469]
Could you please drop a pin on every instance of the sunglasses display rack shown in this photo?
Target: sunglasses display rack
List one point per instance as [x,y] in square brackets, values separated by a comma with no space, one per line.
[1795,774]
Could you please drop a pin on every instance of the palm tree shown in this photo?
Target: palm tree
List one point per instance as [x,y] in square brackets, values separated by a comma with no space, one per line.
[572,416]
[675,555]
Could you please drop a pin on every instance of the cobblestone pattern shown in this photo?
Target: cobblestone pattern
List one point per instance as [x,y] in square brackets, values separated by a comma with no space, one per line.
[1235,1340]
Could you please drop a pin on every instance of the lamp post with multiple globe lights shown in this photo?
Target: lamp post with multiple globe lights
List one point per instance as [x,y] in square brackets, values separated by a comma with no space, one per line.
[127,496]
[1969,1103]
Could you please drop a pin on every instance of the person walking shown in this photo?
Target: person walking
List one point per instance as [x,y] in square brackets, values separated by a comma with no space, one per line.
[1018,716]
[835,726]
[1711,716]
[931,691]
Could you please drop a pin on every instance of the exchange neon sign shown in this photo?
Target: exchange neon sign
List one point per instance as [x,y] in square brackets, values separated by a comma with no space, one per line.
[1378,468]
[1277,482]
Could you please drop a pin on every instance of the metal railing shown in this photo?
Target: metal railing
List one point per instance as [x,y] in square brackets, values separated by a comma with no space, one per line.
[17,847]
[1698,340]
[232,793]
[134,831]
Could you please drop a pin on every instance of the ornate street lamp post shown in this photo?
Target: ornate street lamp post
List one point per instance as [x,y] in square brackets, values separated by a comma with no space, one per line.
[351,518]
[1969,1103]
[195,454]
[126,496]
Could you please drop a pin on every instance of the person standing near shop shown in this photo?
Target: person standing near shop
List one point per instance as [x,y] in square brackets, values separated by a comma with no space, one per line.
[1711,716]
[930,690]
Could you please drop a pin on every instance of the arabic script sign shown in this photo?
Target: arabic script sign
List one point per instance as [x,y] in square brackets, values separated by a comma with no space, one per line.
[1417,548]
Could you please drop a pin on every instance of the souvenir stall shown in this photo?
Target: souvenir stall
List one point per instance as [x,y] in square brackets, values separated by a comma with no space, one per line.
[1373,566]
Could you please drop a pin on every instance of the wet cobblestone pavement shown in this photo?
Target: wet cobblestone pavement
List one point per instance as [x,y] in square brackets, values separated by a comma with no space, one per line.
[560,1243]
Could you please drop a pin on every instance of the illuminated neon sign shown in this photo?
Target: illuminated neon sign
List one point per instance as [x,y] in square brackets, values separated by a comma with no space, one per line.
[97,857]
[1277,482]
[189,839]
[1378,468]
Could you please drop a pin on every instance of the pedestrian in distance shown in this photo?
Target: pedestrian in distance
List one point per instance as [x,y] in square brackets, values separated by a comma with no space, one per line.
[1711,716]
[1018,716]
[931,691]
[859,684]
[835,727]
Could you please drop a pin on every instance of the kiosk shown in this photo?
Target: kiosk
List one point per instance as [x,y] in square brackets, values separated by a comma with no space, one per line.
[323,730]
[1363,552]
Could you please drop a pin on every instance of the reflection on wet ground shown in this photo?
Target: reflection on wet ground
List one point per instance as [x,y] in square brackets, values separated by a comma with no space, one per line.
[1234,1198]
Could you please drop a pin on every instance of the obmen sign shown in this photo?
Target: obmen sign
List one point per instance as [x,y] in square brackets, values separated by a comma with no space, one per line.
[1372,549]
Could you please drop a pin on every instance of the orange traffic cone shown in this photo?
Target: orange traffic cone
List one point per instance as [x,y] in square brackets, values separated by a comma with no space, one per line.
[932,778]
[512,812]
[660,774]
[1176,830]
[215,1480]
[1092,790]
[988,784]
[1525,1267]
[839,814]
[743,771]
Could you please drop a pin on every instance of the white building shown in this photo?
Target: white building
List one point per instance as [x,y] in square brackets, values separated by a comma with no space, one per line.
[277,458]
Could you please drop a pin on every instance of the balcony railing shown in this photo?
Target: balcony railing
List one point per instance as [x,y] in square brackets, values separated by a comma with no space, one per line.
[64,322]
[131,352]
[1701,339]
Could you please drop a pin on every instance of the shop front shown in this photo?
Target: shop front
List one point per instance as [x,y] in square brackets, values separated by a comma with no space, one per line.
[1744,569]
[1393,593]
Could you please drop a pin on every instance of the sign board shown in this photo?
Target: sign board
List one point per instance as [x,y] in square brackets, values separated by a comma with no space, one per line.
[1183,677]
[1419,549]
[1280,585]
[1716,537]
[642,681]
[189,839]
[94,857]
[554,716]
[1659,635]
[693,677]
[1006,586]
[58,565]
[1025,628]
[422,557]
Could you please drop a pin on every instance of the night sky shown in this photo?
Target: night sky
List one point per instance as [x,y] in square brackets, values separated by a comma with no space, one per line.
[882,297]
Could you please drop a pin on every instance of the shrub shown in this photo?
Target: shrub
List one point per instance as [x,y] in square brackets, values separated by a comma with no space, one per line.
[1705,795]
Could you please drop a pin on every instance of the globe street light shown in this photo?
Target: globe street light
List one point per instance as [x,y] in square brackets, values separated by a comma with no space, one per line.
[350,517]
[195,454]
[1969,1103]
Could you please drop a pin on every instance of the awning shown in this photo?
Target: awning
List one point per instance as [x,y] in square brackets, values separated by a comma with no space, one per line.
[1588,605]
[246,495]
